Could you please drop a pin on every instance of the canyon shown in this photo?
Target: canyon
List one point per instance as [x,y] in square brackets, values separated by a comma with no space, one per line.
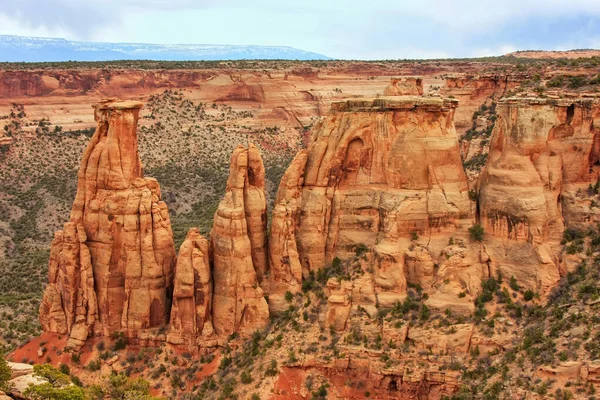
[378,265]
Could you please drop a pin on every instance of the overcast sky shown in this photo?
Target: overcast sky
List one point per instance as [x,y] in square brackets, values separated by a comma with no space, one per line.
[351,29]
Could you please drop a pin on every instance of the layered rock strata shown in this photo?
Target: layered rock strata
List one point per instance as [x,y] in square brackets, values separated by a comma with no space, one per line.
[191,314]
[378,173]
[238,242]
[405,86]
[543,156]
[117,268]
[69,304]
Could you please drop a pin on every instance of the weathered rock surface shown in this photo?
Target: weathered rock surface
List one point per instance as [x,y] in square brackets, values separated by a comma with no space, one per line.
[284,262]
[69,304]
[377,172]
[238,241]
[22,376]
[473,90]
[543,153]
[405,86]
[111,269]
[191,314]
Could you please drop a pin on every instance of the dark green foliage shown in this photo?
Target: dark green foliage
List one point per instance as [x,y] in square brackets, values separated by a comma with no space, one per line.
[539,347]
[64,368]
[476,162]
[557,81]
[120,341]
[272,370]
[289,296]
[320,393]
[245,378]
[576,82]
[5,371]
[476,232]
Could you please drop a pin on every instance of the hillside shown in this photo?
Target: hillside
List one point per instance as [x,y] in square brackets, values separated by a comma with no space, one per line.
[397,241]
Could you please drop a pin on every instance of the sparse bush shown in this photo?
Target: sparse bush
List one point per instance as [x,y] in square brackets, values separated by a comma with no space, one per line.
[476,232]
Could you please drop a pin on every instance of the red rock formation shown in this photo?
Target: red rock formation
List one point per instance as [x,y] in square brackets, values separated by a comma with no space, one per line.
[284,261]
[377,173]
[367,181]
[405,86]
[239,250]
[191,314]
[69,304]
[543,152]
[472,91]
[125,226]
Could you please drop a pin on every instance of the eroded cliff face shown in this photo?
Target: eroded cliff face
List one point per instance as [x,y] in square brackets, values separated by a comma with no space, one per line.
[120,220]
[69,305]
[473,90]
[374,214]
[543,156]
[378,175]
[405,86]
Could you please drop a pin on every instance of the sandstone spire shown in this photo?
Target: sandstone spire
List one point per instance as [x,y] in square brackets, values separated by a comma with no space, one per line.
[238,243]
[120,218]
[285,272]
[191,314]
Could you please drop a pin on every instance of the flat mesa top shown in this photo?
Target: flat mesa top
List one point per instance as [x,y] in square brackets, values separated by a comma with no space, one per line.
[113,104]
[581,101]
[390,103]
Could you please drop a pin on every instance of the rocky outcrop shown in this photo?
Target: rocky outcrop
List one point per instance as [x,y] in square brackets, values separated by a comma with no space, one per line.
[69,304]
[474,90]
[378,173]
[405,86]
[238,241]
[118,242]
[284,262]
[191,314]
[543,155]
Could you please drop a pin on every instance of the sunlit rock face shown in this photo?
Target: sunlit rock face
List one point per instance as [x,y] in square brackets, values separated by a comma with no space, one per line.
[238,241]
[119,263]
[377,174]
[543,156]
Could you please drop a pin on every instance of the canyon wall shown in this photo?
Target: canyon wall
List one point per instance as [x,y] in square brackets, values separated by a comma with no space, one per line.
[379,196]
[543,156]
[381,176]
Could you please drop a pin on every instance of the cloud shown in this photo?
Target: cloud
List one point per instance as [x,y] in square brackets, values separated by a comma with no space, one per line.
[345,29]
[82,17]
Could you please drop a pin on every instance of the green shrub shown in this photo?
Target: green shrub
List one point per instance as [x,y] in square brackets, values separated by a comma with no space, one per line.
[246,378]
[557,81]
[272,370]
[289,296]
[528,295]
[576,82]
[46,391]
[5,371]
[476,232]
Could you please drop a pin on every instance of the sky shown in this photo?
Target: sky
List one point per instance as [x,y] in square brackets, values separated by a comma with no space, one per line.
[350,29]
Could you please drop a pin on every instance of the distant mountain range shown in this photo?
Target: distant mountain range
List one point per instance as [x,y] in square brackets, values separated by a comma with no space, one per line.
[38,49]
